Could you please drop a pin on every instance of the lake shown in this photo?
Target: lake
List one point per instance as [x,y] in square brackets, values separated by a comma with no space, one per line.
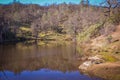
[41,61]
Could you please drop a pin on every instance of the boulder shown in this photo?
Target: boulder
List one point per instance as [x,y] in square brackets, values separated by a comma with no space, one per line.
[91,61]
[85,65]
[97,57]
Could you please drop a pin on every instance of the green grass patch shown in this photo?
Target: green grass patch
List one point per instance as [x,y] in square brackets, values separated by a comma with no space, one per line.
[25,32]
[26,29]
[108,57]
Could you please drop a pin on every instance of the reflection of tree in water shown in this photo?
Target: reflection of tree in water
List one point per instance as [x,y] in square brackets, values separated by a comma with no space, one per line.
[36,57]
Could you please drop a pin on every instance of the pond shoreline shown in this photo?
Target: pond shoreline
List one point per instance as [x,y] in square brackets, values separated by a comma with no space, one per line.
[93,65]
[108,71]
[96,66]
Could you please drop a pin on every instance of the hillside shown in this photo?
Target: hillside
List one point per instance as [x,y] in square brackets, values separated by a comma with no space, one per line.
[55,22]
[31,21]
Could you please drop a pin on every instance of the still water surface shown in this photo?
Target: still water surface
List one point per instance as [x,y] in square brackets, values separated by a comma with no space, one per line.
[34,62]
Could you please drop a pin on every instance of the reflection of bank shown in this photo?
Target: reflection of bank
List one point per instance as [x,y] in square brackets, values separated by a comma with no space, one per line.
[1,28]
[1,39]
[33,62]
[18,58]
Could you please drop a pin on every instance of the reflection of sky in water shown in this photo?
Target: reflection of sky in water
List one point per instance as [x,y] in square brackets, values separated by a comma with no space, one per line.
[44,74]
[28,62]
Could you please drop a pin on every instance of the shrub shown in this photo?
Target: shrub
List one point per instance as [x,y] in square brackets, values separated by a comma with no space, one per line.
[87,33]
[115,18]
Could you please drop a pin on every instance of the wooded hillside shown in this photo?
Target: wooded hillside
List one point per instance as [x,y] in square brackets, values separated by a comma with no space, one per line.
[31,21]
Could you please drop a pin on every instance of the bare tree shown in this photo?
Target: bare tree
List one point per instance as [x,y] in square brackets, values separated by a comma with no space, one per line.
[85,2]
[36,28]
[110,5]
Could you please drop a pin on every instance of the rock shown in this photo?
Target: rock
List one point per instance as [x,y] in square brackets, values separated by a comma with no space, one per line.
[85,65]
[91,61]
[97,57]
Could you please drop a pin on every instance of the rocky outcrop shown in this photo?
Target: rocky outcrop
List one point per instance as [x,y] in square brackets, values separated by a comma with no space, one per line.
[91,61]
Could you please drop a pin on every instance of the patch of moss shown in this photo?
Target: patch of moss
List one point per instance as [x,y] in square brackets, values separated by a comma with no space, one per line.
[25,32]
[42,34]
[41,43]
[53,36]
[25,29]
[108,57]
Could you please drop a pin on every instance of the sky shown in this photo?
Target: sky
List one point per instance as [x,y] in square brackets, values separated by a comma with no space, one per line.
[43,2]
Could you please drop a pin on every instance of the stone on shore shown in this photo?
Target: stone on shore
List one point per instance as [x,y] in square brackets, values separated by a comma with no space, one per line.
[91,61]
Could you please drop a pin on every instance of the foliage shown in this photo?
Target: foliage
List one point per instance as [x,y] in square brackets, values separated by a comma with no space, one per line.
[25,29]
[62,19]
[24,32]
[115,18]
[87,33]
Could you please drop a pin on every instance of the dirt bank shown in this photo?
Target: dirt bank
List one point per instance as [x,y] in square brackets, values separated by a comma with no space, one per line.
[107,71]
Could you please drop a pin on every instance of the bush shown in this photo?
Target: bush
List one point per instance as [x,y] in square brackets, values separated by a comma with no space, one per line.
[87,33]
[115,18]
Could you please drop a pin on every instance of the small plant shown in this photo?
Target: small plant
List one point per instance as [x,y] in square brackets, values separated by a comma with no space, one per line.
[109,38]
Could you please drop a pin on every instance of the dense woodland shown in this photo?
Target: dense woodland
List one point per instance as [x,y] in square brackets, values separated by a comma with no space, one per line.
[31,21]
